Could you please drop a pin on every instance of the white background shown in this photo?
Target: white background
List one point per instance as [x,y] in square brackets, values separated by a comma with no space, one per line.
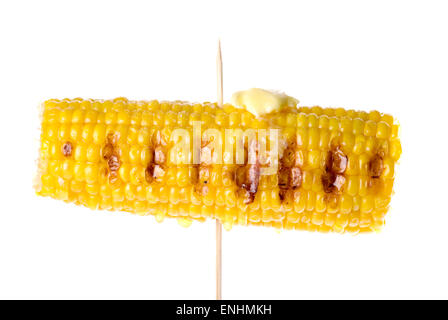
[387,55]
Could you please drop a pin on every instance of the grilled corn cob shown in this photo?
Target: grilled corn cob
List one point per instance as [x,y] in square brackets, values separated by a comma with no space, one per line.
[334,172]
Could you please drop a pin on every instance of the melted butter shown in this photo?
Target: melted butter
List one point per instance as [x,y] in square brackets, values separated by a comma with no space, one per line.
[260,102]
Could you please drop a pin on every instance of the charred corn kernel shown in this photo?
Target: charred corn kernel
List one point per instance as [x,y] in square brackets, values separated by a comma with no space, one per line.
[335,169]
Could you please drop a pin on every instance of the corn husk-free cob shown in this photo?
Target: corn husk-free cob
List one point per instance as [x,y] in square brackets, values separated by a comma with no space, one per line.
[334,172]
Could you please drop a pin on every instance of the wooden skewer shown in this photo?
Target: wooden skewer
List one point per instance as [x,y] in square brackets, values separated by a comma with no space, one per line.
[218,223]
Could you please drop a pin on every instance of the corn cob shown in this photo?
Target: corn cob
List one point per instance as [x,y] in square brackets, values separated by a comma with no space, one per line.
[335,170]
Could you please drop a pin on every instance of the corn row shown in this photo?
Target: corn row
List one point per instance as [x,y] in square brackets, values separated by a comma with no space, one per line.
[335,171]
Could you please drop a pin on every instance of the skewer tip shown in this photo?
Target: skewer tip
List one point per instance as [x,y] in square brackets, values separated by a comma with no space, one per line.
[218,223]
[219,74]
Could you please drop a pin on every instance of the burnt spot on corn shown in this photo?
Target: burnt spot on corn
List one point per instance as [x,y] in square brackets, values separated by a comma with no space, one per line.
[253,180]
[154,172]
[283,177]
[67,149]
[108,150]
[149,172]
[296,177]
[247,176]
[156,167]
[112,138]
[111,154]
[114,164]
[336,161]
[289,175]
[194,174]
[159,155]
[375,185]
[375,166]
[159,171]
[204,174]
[332,182]
[333,179]
[375,169]
[202,171]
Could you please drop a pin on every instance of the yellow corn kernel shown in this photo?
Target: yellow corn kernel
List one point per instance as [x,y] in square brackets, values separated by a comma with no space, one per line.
[101,154]
[346,203]
[395,150]
[91,172]
[317,218]
[352,186]
[334,124]
[314,159]
[383,130]
[367,204]
[370,128]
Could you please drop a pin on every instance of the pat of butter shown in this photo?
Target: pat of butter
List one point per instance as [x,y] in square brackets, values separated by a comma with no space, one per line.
[261,101]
